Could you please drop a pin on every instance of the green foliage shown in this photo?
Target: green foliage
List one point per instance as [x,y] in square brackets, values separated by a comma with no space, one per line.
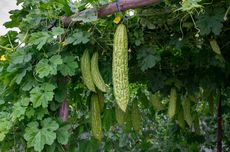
[211,21]
[147,58]
[181,44]
[38,137]
[40,39]
[63,134]
[5,125]
[78,37]
[69,66]
[46,67]
[41,95]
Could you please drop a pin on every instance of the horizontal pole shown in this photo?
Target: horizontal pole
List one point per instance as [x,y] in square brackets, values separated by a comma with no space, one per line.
[112,8]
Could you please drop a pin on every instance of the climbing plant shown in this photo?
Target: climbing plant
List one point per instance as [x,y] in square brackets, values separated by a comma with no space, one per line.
[178,73]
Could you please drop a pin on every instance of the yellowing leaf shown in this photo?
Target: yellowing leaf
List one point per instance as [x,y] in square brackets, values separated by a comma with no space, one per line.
[3,58]
[117,19]
[215,46]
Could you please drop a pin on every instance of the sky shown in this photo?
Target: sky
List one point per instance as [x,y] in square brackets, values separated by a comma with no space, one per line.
[5,7]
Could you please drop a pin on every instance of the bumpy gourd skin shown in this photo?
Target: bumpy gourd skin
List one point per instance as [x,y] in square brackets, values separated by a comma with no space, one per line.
[96,117]
[136,117]
[86,71]
[187,113]
[120,116]
[97,78]
[155,100]
[172,103]
[120,67]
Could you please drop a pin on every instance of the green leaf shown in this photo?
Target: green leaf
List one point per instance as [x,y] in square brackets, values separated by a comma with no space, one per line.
[40,113]
[18,111]
[20,56]
[41,95]
[28,84]
[2,101]
[38,137]
[69,66]
[4,128]
[21,75]
[30,112]
[87,15]
[43,68]
[5,124]
[57,31]
[211,21]
[61,91]
[147,58]
[78,38]
[56,60]
[40,39]
[47,67]
[63,134]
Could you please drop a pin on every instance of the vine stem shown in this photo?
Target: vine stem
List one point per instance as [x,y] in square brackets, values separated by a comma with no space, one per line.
[5,48]
[226,14]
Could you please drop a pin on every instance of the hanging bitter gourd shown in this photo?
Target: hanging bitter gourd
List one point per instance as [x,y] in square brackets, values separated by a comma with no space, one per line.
[172,103]
[97,78]
[180,118]
[96,117]
[101,100]
[86,71]
[156,103]
[128,121]
[187,113]
[120,115]
[197,125]
[136,117]
[120,67]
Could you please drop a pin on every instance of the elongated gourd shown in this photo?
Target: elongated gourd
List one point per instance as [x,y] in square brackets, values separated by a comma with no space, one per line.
[172,103]
[156,103]
[197,125]
[86,71]
[101,100]
[136,117]
[128,121]
[96,117]
[180,118]
[120,67]
[120,115]
[187,113]
[97,78]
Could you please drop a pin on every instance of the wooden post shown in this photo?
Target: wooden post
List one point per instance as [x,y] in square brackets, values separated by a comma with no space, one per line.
[111,8]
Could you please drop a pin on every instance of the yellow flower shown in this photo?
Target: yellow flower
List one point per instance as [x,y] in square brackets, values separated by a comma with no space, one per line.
[117,19]
[2,58]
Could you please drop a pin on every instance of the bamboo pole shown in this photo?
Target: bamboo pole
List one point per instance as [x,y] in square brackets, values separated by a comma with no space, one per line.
[112,8]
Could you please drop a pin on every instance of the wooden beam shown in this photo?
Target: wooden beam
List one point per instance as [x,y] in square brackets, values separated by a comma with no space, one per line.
[111,8]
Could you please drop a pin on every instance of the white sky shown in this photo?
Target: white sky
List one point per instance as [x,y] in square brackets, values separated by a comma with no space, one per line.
[5,7]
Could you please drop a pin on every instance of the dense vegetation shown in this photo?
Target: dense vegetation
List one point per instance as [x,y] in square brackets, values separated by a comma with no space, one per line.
[178,50]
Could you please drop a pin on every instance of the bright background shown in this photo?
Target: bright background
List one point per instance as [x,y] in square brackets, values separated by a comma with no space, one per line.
[5,7]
